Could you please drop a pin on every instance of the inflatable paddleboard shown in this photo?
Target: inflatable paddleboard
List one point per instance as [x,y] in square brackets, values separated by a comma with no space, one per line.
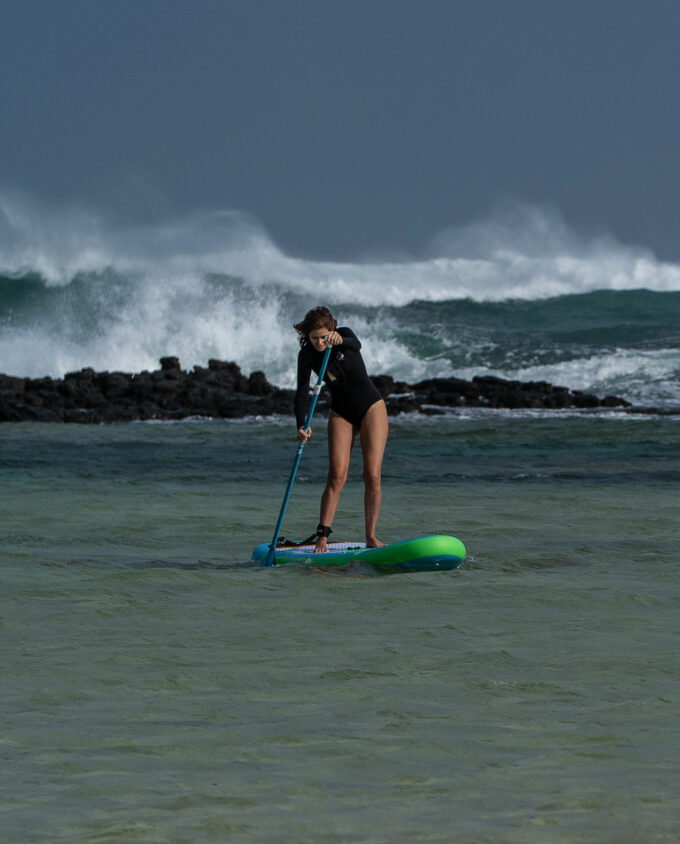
[426,553]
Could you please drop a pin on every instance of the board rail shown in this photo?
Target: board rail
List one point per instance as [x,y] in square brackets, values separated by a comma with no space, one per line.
[438,552]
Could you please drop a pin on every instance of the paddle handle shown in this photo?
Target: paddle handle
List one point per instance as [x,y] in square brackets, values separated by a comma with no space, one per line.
[269,560]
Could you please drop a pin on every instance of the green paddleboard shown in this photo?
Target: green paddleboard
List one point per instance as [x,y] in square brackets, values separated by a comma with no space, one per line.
[425,553]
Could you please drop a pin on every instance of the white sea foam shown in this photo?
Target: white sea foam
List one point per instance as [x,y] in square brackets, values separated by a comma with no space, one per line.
[641,376]
[526,254]
[214,284]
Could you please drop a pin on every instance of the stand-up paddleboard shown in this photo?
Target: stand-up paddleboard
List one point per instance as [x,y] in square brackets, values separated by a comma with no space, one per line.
[426,553]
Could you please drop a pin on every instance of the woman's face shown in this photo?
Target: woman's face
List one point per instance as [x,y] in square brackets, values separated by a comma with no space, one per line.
[317,337]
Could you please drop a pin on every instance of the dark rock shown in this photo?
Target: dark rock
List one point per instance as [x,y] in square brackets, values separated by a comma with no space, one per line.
[169,364]
[225,368]
[222,390]
[258,384]
[87,374]
[140,385]
[10,411]
[585,399]
[114,385]
[385,384]
[10,384]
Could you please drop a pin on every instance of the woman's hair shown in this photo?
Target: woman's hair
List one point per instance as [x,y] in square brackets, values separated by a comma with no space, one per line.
[319,317]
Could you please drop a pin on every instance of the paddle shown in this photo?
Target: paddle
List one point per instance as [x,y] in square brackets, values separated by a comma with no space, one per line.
[269,560]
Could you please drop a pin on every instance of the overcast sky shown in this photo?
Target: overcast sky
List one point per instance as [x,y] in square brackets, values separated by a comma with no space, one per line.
[348,127]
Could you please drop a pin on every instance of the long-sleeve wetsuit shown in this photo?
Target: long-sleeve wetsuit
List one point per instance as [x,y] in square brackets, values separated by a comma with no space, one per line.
[352,391]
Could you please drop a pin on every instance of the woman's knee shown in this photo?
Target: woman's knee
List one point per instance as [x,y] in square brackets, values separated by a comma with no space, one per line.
[337,478]
[371,476]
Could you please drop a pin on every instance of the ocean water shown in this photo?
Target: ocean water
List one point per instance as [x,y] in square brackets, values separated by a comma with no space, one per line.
[520,296]
[159,687]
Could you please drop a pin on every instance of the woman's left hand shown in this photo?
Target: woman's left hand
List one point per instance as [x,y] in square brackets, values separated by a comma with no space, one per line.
[333,338]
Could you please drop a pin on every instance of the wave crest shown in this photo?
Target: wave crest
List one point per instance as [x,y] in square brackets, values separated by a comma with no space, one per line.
[78,290]
[519,253]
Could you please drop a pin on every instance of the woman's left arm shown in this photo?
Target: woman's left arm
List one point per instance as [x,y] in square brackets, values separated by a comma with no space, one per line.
[349,338]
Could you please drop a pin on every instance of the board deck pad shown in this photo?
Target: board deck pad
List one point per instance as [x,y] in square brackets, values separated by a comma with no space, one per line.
[424,553]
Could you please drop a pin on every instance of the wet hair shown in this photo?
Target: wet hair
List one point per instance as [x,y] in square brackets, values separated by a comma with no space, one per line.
[319,317]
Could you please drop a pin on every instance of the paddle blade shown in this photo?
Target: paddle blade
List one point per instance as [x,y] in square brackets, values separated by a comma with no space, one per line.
[270,559]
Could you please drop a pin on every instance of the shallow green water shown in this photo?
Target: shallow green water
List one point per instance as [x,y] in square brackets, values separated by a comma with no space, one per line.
[157,687]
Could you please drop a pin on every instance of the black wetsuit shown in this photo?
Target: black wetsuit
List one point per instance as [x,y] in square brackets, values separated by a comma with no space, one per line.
[352,391]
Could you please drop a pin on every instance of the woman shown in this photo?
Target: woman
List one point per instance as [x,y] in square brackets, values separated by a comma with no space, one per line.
[356,407]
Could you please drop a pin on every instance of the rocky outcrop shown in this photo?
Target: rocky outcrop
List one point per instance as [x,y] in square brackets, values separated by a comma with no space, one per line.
[221,390]
[432,395]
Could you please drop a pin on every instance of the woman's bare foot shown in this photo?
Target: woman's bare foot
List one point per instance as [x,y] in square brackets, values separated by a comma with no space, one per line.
[374,543]
[321,545]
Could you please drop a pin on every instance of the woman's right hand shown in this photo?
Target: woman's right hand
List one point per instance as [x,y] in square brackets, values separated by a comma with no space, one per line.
[303,435]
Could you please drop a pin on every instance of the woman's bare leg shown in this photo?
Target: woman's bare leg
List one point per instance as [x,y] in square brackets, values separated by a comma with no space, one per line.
[373,437]
[340,441]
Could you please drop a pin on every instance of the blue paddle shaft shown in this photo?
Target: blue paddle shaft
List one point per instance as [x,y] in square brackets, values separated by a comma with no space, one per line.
[270,558]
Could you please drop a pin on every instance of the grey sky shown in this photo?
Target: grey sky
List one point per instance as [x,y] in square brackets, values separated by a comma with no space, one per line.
[349,127]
